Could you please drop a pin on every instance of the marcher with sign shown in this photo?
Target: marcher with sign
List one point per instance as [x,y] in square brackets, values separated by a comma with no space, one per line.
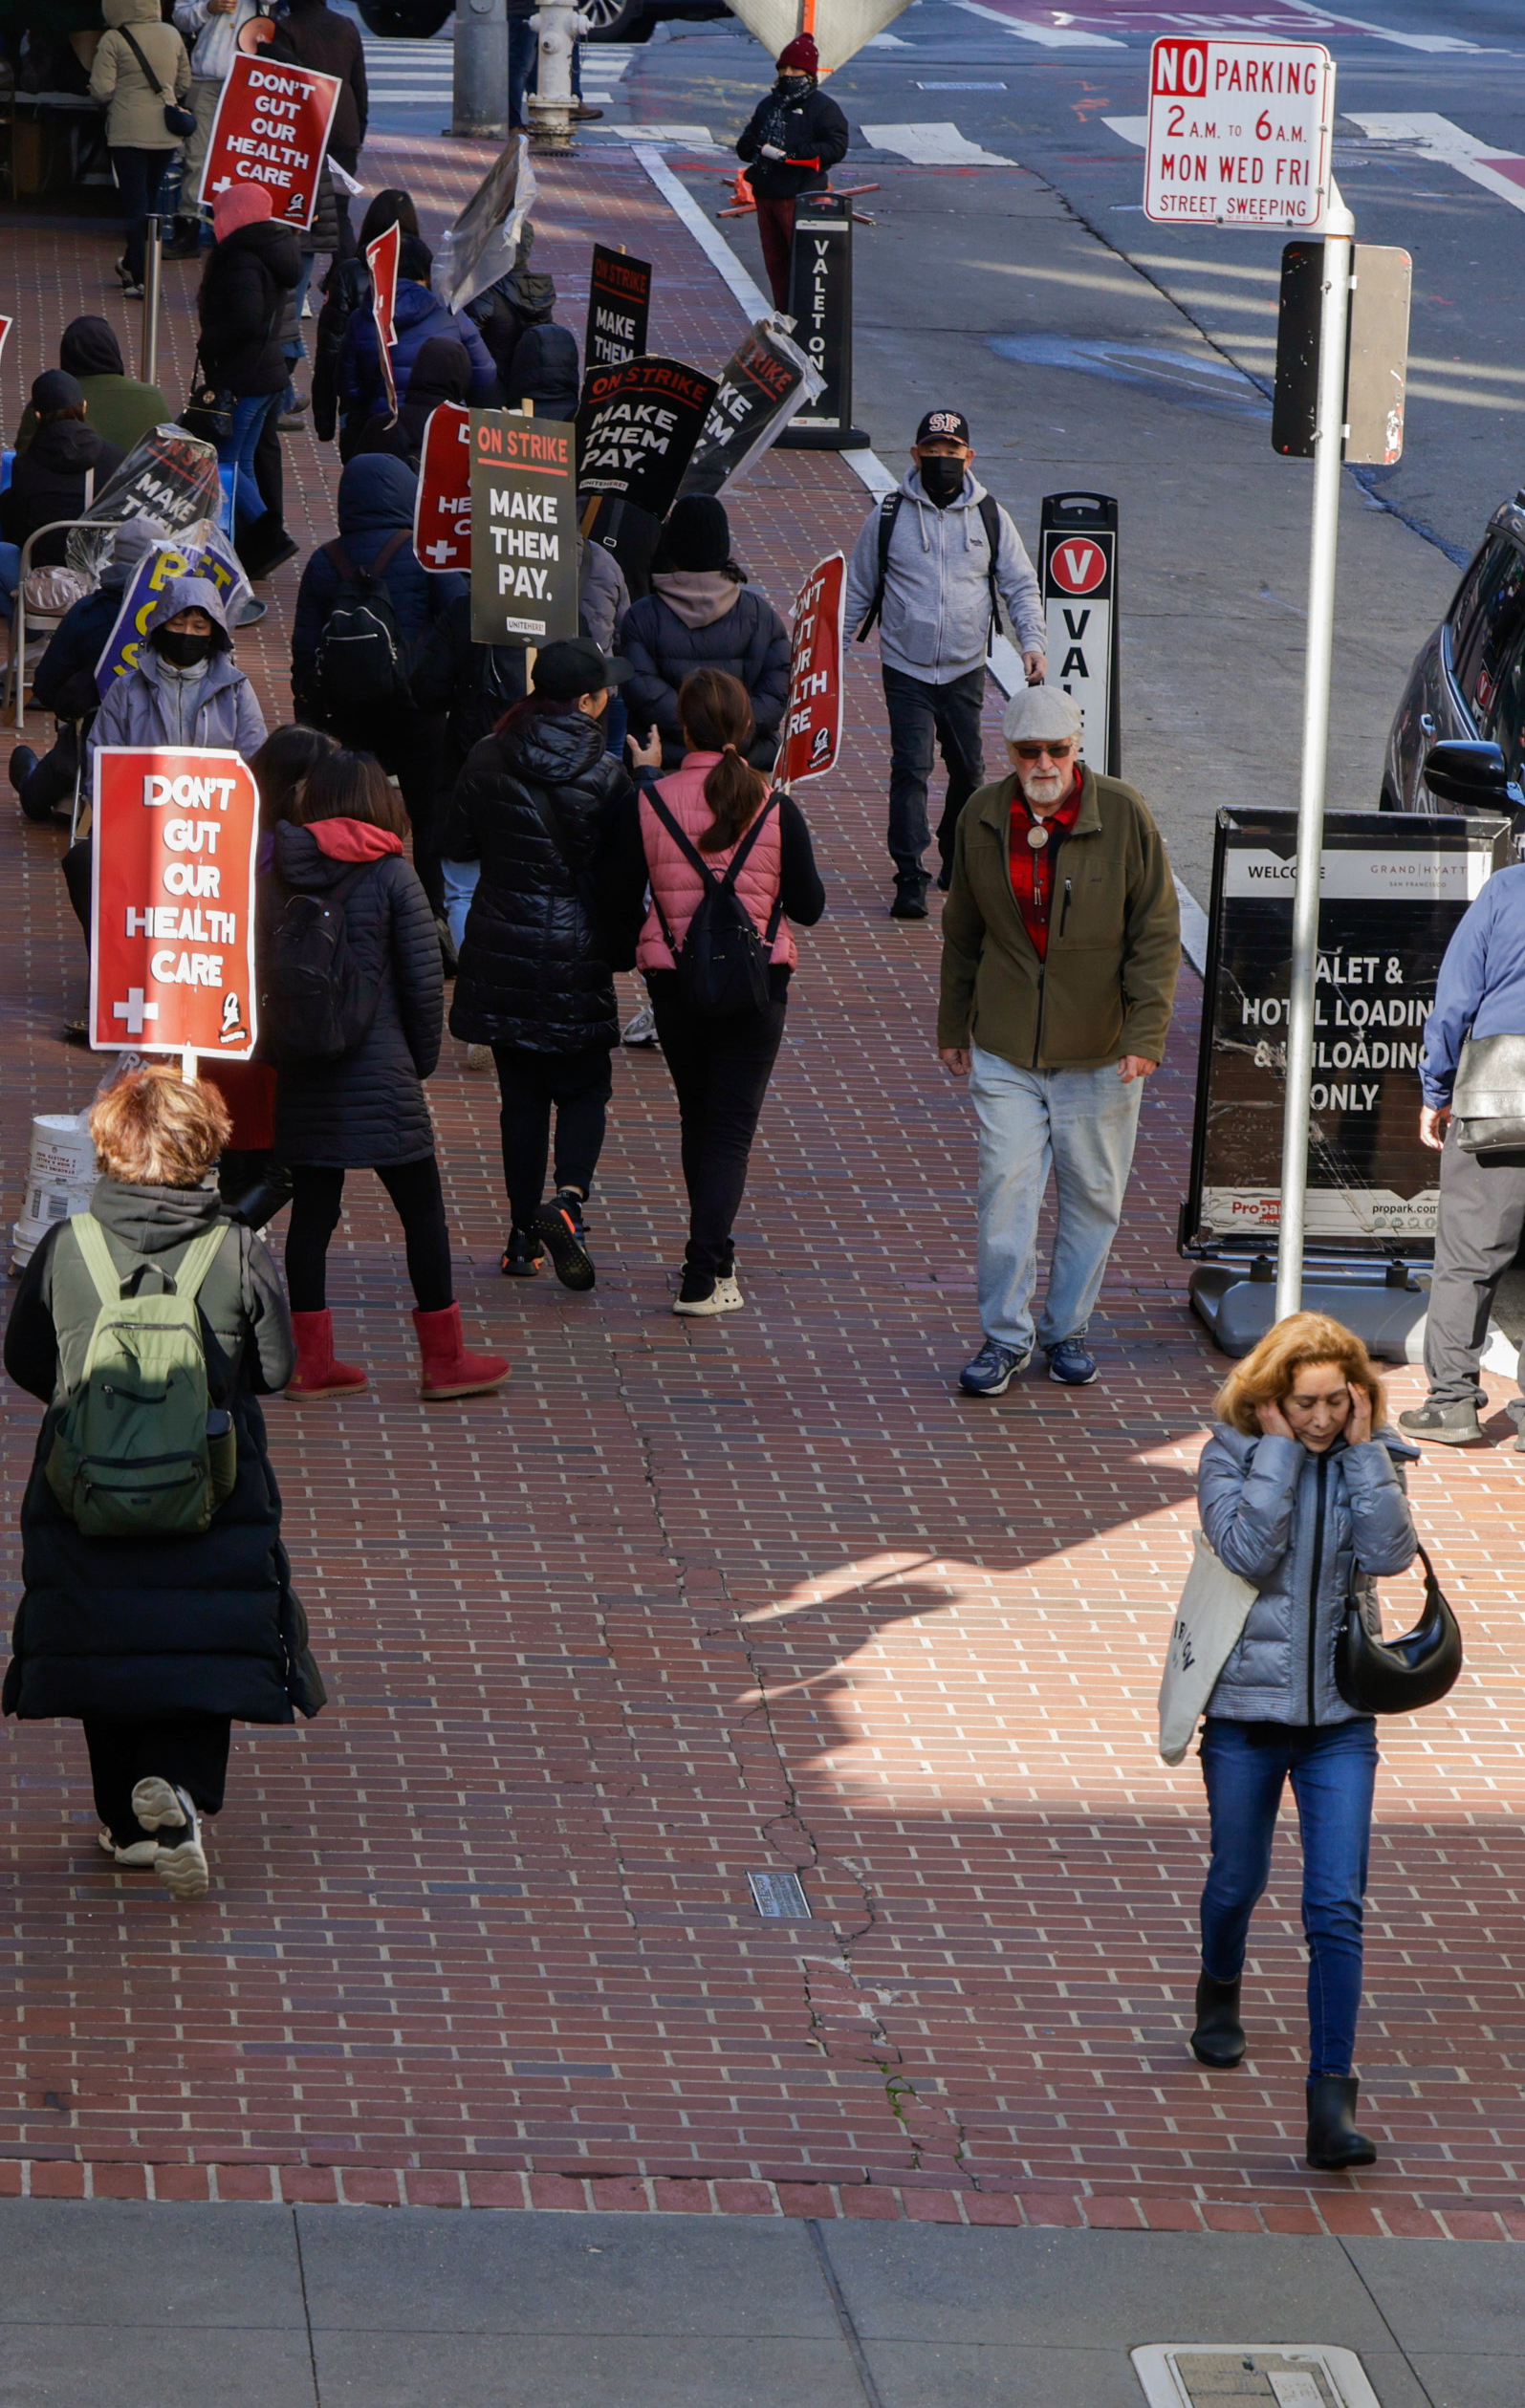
[346,289]
[255,265]
[271,133]
[544,379]
[932,569]
[701,614]
[548,815]
[1301,1489]
[419,316]
[731,865]
[790,141]
[355,1027]
[158,1636]
[187,689]
[1061,942]
[524,530]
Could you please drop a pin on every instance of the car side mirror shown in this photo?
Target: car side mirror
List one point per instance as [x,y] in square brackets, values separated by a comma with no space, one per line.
[1474,777]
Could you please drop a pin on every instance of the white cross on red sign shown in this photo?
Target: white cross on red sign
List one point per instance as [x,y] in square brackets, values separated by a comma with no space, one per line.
[1239,133]
[442,510]
[271,128]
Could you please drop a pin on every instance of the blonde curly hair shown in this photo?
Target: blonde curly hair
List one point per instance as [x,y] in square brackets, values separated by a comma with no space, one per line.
[151,1130]
[1268,1374]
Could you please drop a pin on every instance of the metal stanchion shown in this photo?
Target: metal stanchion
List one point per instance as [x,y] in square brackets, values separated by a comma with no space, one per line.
[153,258]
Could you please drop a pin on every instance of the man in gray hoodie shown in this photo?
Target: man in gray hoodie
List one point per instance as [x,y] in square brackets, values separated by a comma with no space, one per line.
[930,567]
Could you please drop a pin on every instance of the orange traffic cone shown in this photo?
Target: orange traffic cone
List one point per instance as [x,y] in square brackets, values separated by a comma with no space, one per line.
[741,197]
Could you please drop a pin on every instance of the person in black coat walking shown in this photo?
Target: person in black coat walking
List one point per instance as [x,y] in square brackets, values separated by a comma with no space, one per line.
[367,1110]
[158,1644]
[550,814]
[63,468]
[701,614]
[253,265]
[792,139]
[345,288]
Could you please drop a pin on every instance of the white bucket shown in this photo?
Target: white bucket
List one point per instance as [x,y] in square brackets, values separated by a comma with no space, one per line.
[59,1182]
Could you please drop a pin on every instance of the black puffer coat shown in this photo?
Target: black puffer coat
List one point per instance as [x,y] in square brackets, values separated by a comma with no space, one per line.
[749,641]
[368,1107]
[541,948]
[811,132]
[133,1629]
[241,304]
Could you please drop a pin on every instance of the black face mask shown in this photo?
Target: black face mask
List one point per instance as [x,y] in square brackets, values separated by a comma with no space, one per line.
[792,87]
[941,480]
[181,651]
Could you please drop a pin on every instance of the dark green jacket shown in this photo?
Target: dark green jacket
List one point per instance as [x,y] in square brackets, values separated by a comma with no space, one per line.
[1108,984]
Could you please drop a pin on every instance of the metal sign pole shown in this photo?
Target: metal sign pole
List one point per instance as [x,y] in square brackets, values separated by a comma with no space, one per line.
[1338,233]
[153,255]
[480,101]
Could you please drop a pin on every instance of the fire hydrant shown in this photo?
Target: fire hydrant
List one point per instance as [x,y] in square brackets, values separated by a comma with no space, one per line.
[558,23]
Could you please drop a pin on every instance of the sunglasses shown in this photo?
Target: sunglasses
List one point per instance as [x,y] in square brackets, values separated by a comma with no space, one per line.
[1042,751]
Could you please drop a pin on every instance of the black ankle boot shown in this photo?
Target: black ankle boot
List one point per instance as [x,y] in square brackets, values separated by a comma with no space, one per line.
[1334,2144]
[1219,2037]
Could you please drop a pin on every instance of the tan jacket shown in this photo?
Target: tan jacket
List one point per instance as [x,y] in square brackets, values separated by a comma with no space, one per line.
[135,110]
[1108,984]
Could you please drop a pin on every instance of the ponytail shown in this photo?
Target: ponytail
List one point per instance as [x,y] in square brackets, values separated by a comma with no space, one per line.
[717,717]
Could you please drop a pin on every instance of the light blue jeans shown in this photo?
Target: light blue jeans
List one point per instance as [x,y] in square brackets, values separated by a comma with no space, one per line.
[461,880]
[1082,1124]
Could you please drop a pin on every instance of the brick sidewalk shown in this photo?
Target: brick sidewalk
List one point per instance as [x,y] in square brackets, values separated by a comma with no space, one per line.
[693,1602]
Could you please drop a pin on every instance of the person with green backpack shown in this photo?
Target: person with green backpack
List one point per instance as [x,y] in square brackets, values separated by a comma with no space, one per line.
[157,1605]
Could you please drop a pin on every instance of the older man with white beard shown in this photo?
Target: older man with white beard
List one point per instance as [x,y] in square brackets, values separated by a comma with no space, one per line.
[1061,940]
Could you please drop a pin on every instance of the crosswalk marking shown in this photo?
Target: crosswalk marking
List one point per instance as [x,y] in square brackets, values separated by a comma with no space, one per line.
[1438,138]
[933,146]
[403,71]
[1051,37]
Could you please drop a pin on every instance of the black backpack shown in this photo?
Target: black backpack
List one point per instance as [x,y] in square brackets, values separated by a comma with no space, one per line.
[359,652]
[990,510]
[723,963]
[316,1003]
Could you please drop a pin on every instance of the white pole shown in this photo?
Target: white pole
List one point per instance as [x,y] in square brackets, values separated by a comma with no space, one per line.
[1339,232]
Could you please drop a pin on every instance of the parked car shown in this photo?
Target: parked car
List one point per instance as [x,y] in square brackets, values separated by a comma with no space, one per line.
[1468,685]
[613,20]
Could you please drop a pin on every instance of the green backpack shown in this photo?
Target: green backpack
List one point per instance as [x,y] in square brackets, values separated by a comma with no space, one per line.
[137,1453]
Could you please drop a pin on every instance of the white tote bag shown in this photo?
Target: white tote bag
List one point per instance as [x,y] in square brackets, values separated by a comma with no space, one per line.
[1213,1609]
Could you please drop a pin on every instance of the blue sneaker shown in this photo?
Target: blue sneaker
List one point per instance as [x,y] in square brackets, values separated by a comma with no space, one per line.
[1071,1365]
[993,1369]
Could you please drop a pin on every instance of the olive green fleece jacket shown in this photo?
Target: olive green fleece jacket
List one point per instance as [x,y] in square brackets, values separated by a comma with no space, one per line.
[1108,984]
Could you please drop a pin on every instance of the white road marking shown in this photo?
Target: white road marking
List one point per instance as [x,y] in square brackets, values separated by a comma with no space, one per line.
[691,137]
[1129,129]
[1050,37]
[933,146]
[888,41]
[1335,18]
[1438,138]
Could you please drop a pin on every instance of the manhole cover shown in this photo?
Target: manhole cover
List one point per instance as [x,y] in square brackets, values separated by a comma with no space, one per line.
[1231,2374]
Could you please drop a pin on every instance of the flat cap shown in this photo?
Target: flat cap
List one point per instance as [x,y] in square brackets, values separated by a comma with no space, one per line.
[1040,714]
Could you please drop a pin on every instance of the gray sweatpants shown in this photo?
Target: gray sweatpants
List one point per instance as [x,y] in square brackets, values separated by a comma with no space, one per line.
[1482,1217]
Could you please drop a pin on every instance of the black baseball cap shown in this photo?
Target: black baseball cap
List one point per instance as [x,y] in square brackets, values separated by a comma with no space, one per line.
[945,425]
[576,666]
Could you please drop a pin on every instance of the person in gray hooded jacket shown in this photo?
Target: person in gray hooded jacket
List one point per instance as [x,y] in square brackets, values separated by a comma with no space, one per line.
[185,686]
[1302,1492]
[931,567]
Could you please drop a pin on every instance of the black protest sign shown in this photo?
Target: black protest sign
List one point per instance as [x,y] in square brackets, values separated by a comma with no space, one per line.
[766,379]
[1393,888]
[524,530]
[638,424]
[618,307]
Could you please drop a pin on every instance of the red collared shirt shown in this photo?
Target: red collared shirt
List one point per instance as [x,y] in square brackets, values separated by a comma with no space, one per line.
[1032,867]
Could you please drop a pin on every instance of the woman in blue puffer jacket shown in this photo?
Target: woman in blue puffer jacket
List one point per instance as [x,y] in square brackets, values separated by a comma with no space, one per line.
[418,315]
[1301,1489]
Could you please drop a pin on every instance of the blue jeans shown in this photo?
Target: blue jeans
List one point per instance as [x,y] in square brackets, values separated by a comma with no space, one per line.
[238,450]
[1083,1123]
[524,60]
[1333,1770]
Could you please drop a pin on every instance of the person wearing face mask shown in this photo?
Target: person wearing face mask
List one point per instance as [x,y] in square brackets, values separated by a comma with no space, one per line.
[1062,941]
[1300,1488]
[185,687]
[792,139]
[933,568]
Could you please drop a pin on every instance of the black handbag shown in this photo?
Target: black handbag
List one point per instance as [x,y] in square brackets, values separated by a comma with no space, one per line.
[1398,1676]
[177,122]
[208,413]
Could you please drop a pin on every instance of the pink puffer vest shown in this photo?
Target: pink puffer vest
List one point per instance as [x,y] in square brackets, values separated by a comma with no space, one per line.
[676,880]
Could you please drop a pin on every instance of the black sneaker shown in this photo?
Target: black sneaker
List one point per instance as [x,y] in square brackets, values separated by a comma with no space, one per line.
[560,1224]
[993,1369]
[1446,1425]
[909,903]
[522,1256]
[22,760]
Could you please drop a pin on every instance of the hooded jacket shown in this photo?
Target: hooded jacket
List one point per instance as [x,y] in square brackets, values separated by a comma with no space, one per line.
[122,409]
[375,502]
[155,704]
[538,963]
[665,645]
[367,1108]
[936,623]
[48,481]
[813,135]
[134,105]
[419,315]
[441,373]
[319,37]
[1300,1525]
[241,304]
[545,371]
[147,1627]
[1106,986]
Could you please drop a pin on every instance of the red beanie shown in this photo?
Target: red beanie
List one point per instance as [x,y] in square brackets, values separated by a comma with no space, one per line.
[801,55]
[241,204]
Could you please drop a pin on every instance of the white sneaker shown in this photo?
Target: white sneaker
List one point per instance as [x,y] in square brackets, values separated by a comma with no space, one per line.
[725,1297]
[641,1030]
[140,1853]
[180,1863]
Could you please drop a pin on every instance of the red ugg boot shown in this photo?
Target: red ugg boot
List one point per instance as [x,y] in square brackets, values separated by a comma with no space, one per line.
[449,1368]
[317,1374]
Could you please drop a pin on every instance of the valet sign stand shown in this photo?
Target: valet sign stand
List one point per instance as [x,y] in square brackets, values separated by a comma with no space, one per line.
[1240,135]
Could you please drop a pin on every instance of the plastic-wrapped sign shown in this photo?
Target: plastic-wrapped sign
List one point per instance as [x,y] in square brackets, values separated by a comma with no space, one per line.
[813,723]
[203,552]
[618,307]
[524,529]
[272,128]
[172,902]
[1394,886]
[766,379]
[482,243]
[168,475]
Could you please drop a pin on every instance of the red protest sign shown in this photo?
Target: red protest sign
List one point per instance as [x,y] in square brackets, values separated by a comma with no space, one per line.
[272,128]
[813,723]
[381,258]
[441,510]
[5,324]
[172,900]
